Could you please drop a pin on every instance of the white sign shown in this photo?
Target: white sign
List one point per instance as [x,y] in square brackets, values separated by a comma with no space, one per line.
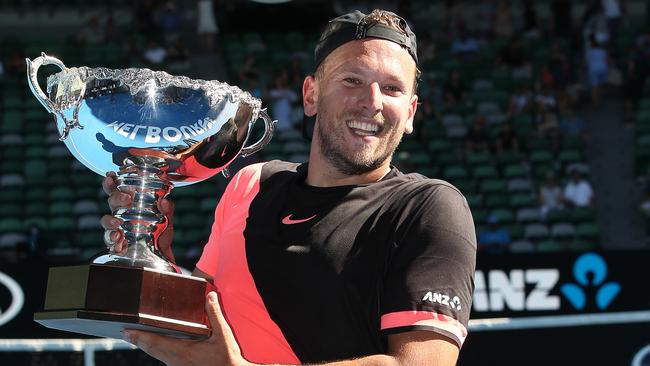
[501,290]
[17,299]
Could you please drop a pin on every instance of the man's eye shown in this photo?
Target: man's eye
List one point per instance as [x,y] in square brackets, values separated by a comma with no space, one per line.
[353,81]
[393,88]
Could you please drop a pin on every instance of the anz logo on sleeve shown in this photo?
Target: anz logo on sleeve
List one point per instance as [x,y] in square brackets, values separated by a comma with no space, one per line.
[530,289]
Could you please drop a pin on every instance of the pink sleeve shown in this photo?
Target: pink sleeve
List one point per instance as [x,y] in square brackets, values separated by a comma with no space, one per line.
[241,185]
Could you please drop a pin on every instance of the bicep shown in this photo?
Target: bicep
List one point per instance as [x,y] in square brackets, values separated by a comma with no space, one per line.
[422,348]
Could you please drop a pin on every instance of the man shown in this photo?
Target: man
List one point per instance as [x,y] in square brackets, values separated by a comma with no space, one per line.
[578,192]
[343,260]
[494,239]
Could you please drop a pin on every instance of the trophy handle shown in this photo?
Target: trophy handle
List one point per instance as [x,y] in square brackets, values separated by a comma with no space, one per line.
[269,126]
[32,79]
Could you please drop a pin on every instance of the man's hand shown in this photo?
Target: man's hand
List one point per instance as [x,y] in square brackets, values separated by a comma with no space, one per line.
[220,349]
[114,236]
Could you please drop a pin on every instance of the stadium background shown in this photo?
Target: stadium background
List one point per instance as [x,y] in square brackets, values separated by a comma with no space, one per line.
[506,100]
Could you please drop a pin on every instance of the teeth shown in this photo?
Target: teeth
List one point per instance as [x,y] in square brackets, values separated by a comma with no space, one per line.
[365,127]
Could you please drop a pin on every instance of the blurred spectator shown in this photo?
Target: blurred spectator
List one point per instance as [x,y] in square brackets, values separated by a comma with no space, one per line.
[635,74]
[34,234]
[170,22]
[430,89]
[521,100]
[559,67]
[513,57]
[614,14]
[207,28]
[595,26]
[2,69]
[578,192]
[282,99]
[92,32]
[155,54]
[178,56]
[550,195]
[428,110]
[453,14]
[484,22]
[431,98]
[249,77]
[495,239]
[548,123]
[506,140]
[546,101]
[455,91]
[251,85]
[143,18]
[571,125]
[562,17]
[296,73]
[465,47]
[545,79]
[477,138]
[597,67]
[248,68]
[503,22]
[531,26]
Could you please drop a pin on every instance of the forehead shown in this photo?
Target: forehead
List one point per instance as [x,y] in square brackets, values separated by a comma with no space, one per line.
[374,54]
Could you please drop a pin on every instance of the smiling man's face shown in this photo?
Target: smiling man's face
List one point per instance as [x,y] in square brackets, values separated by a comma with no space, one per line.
[365,102]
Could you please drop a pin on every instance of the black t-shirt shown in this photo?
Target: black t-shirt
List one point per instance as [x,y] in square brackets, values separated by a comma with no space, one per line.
[325,273]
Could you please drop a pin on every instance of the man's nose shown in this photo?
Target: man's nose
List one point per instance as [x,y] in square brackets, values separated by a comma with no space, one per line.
[372,99]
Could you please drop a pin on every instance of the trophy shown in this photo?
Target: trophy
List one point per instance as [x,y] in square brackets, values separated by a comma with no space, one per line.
[157,131]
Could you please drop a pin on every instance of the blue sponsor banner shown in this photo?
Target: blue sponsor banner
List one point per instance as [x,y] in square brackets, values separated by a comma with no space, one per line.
[537,284]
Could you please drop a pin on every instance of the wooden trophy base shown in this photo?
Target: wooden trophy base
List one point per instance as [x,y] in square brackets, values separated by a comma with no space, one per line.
[102,300]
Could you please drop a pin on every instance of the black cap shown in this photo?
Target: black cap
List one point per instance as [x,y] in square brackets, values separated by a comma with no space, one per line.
[356,25]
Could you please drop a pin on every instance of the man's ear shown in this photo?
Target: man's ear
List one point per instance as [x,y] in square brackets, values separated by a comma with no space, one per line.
[413,106]
[309,95]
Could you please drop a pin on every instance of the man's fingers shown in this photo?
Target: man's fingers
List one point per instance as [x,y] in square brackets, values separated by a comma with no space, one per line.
[109,184]
[114,240]
[213,309]
[220,328]
[167,349]
[109,222]
[118,199]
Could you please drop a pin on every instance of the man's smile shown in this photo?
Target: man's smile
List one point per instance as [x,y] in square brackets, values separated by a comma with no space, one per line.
[364,128]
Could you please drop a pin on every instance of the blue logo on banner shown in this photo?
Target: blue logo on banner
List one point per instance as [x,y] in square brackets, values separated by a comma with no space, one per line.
[590,270]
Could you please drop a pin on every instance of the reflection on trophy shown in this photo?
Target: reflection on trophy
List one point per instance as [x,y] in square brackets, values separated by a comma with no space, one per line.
[157,131]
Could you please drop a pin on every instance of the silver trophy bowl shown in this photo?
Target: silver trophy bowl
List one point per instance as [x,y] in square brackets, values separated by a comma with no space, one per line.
[157,131]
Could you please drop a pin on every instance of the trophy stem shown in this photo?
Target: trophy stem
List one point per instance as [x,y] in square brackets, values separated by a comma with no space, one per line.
[145,179]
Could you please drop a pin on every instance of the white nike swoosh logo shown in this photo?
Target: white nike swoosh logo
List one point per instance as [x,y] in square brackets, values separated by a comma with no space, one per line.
[298,249]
